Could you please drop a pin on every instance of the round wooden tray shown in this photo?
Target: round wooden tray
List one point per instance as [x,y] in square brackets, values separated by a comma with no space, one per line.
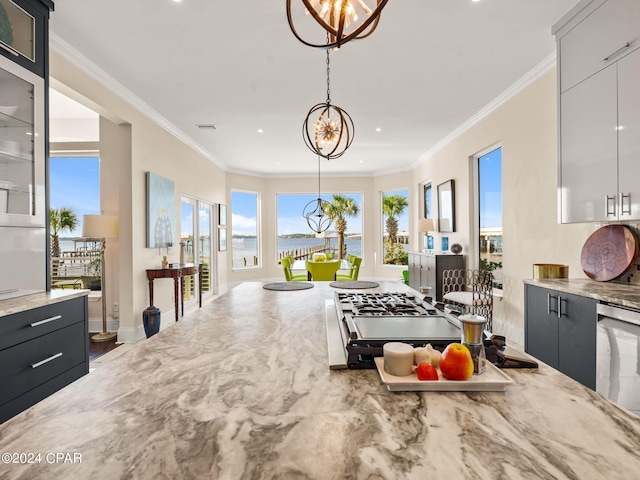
[609,252]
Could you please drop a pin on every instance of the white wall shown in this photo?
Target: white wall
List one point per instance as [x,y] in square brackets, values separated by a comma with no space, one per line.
[526,128]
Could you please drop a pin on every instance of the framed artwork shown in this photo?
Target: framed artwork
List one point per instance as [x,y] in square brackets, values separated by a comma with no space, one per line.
[222,214]
[427,209]
[161,218]
[446,207]
[222,239]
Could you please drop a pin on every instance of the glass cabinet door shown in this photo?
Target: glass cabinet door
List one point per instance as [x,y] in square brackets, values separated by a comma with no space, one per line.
[22,195]
[17,30]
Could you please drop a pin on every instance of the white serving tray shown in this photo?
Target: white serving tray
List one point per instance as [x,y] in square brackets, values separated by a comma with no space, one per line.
[491,380]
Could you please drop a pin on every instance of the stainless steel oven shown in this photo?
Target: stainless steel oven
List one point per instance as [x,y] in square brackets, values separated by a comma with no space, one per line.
[618,356]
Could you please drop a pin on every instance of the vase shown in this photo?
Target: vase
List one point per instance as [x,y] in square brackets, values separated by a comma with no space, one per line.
[151,320]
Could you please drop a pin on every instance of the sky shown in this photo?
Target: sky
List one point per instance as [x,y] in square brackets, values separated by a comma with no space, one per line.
[75,183]
[490,173]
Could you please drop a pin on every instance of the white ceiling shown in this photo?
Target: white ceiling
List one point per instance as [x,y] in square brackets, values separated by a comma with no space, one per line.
[430,67]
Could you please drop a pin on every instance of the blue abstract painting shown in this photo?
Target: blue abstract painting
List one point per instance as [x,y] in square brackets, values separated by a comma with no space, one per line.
[161,218]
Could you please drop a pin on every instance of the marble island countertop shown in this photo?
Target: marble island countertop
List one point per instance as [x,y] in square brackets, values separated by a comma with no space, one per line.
[241,389]
[40,299]
[610,292]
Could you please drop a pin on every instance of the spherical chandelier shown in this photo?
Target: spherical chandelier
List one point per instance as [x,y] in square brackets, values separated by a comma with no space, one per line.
[342,20]
[328,130]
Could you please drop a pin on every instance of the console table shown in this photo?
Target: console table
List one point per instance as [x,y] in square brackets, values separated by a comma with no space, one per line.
[176,273]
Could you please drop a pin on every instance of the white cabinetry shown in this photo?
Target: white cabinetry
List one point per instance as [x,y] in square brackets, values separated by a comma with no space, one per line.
[629,134]
[599,134]
[610,31]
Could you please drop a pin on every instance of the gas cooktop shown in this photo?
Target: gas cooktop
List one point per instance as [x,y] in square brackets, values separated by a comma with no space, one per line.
[362,323]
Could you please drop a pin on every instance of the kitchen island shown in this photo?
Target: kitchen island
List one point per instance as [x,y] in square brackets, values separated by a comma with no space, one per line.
[241,389]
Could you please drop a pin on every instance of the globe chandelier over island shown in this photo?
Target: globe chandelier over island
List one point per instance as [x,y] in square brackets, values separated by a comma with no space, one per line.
[342,20]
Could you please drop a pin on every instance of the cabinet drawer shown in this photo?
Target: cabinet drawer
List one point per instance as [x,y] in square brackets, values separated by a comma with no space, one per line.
[24,326]
[32,363]
[599,40]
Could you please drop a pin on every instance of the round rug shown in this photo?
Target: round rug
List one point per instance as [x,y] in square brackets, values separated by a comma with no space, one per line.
[354,284]
[287,286]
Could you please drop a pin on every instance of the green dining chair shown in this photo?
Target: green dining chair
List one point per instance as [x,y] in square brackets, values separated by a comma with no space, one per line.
[354,272]
[323,271]
[289,276]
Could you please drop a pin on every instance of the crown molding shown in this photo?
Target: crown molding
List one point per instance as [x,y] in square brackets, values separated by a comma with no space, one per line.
[530,77]
[73,56]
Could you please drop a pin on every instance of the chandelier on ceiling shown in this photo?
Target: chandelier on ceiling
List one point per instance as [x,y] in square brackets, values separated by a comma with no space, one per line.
[314,211]
[342,20]
[328,130]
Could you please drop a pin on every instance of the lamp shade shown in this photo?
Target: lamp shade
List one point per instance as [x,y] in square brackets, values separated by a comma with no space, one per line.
[426,225]
[99,226]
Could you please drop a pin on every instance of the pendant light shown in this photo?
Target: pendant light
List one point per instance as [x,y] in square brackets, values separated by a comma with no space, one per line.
[317,218]
[342,20]
[328,130]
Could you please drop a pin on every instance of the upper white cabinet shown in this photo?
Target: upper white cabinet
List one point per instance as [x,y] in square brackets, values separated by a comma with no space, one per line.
[599,80]
[608,33]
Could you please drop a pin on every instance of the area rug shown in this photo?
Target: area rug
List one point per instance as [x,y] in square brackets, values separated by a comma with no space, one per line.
[288,286]
[354,284]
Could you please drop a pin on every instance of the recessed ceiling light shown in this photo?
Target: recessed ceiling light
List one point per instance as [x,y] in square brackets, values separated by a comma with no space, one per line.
[378,129]
[260,130]
[206,126]
[178,1]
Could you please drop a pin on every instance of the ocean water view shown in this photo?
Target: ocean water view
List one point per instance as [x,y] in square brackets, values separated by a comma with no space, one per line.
[244,248]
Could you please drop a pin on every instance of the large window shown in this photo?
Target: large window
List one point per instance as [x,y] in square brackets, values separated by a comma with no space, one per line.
[297,239]
[195,233]
[75,184]
[245,237]
[489,173]
[395,219]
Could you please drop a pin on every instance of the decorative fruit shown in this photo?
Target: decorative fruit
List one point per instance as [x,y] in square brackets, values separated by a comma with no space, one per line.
[426,372]
[434,355]
[456,362]
[421,355]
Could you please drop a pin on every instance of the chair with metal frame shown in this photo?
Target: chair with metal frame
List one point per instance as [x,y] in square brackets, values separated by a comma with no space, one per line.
[470,291]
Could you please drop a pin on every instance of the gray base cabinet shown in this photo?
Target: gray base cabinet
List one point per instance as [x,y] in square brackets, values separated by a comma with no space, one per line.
[560,330]
[41,351]
[425,270]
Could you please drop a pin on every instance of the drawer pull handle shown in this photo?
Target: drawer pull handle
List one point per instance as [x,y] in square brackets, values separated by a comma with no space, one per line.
[606,59]
[46,320]
[46,360]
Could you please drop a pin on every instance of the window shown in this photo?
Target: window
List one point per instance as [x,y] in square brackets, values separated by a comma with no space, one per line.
[204,245]
[74,183]
[245,238]
[395,220]
[489,178]
[296,238]
[198,252]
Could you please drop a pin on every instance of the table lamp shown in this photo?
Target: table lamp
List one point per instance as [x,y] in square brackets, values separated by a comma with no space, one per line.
[426,225]
[101,227]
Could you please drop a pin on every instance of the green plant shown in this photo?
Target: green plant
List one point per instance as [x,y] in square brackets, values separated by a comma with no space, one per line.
[394,254]
[63,219]
[341,207]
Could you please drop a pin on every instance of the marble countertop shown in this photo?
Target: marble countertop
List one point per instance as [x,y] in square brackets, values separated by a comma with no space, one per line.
[241,389]
[610,292]
[35,300]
